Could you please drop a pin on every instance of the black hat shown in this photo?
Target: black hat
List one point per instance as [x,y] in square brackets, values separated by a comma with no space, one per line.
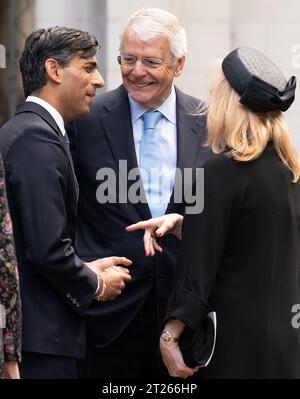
[259,82]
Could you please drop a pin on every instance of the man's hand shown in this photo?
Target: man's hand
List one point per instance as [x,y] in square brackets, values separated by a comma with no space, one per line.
[115,279]
[112,274]
[99,265]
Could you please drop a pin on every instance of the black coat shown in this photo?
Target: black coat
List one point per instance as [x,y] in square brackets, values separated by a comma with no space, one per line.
[240,257]
[100,140]
[56,286]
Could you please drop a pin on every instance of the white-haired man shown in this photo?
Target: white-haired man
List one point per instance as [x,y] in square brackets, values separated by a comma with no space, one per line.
[123,336]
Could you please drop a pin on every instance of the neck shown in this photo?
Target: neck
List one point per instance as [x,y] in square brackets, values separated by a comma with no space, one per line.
[52,100]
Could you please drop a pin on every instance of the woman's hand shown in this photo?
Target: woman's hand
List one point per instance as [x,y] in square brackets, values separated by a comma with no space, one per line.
[11,370]
[158,227]
[171,354]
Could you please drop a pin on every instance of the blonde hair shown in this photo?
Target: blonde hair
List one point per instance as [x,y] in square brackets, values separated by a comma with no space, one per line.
[245,134]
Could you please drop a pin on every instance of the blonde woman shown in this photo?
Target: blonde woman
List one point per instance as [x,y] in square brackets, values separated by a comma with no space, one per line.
[240,256]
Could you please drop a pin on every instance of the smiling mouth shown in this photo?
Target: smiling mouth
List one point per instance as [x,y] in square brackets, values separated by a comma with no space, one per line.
[142,85]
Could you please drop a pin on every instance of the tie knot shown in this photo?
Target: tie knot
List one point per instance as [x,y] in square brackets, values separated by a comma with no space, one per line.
[151,119]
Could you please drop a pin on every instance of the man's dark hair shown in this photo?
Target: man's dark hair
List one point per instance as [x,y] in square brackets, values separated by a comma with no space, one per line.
[59,43]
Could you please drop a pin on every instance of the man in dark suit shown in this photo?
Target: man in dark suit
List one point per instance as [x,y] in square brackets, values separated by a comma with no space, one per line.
[60,77]
[108,149]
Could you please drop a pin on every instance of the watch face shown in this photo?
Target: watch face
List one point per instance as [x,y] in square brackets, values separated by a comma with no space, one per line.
[166,336]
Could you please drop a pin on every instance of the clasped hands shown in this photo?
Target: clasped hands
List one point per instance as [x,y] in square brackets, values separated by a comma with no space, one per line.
[111,273]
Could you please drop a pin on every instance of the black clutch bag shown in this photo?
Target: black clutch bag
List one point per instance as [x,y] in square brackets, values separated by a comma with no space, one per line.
[197,347]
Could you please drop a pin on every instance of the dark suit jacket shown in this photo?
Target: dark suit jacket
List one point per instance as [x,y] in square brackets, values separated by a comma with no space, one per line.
[240,257]
[56,287]
[100,140]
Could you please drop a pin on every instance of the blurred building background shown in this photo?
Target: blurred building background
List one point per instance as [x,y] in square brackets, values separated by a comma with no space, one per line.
[213,27]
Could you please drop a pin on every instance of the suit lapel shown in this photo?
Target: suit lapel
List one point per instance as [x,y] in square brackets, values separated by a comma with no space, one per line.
[191,133]
[39,110]
[118,129]
[44,114]
[117,126]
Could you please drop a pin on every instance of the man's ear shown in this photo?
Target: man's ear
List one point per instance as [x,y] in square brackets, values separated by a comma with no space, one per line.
[53,70]
[179,66]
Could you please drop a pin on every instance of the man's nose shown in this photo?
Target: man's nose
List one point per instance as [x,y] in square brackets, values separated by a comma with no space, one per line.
[98,80]
[139,68]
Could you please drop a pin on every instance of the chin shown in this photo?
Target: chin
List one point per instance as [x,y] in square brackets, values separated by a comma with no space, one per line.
[139,98]
[83,112]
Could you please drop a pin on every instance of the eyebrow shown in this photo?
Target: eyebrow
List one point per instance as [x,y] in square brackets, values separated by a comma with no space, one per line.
[92,64]
[134,56]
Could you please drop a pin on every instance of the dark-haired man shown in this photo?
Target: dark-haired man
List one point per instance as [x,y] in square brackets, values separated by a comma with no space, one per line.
[60,78]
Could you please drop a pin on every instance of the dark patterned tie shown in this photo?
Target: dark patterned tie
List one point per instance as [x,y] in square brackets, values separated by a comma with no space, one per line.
[67,141]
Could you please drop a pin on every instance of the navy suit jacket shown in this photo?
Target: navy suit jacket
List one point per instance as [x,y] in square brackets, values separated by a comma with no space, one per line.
[101,140]
[56,286]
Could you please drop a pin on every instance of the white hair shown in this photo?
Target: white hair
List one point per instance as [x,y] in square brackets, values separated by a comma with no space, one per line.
[150,23]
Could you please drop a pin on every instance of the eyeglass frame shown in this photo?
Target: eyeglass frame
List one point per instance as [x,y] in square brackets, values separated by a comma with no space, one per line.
[143,60]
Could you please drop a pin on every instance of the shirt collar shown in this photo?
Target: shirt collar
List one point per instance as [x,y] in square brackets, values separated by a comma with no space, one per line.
[167,108]
[52,111]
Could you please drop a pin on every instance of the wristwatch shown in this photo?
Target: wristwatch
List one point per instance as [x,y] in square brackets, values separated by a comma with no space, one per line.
[166,336]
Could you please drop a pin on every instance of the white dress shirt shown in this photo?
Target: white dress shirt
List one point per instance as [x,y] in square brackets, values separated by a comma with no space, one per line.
[167,134]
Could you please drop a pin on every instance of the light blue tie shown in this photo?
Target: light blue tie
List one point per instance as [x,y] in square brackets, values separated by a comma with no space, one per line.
[151,163]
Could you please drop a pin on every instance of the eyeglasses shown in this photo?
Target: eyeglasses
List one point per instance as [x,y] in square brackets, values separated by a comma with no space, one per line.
[129,61]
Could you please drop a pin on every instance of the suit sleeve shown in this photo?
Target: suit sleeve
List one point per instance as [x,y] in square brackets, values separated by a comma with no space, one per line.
[204,241]
[38,171]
